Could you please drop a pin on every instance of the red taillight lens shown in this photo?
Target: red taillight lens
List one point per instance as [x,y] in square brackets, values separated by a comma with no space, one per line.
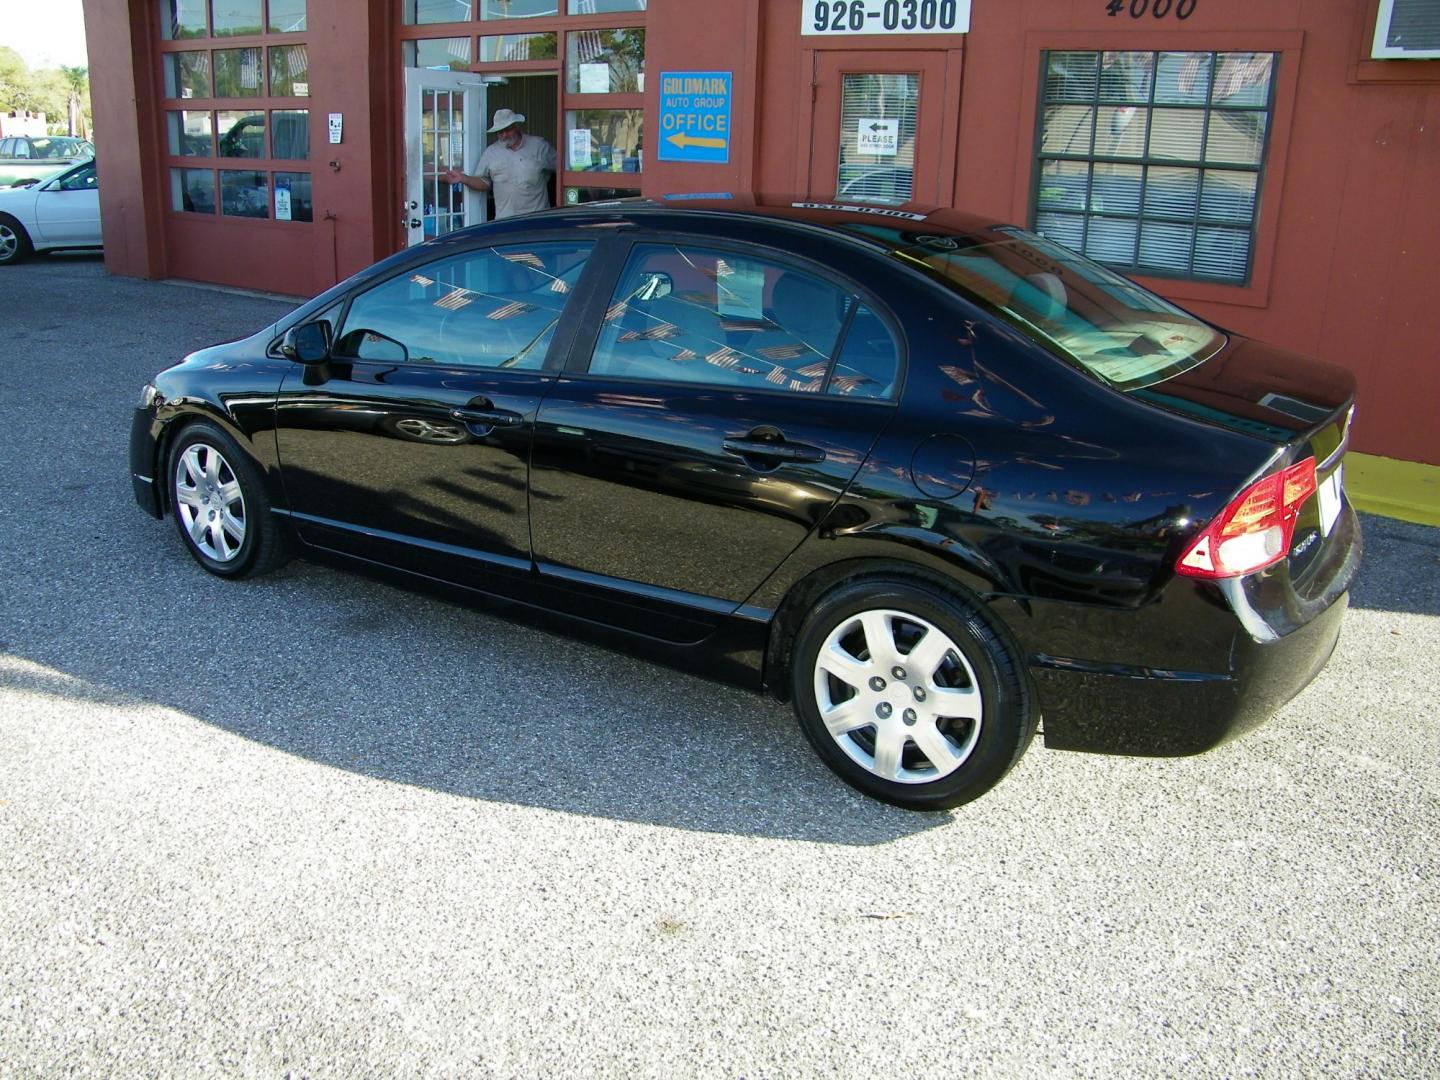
[1254,531]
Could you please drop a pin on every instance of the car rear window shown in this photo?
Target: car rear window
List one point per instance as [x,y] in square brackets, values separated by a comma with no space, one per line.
[1106,325]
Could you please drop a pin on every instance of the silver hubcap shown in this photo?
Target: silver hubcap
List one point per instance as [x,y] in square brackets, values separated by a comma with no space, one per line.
[9,242]
[898,696]
[211,507]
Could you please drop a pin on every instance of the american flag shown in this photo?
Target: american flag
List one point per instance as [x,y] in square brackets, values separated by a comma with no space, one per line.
[510,310]
[685,354]
[559,286]
[805,387]
[655,333]
[784,352]
[814,371]
[455,300]
[524,258]
[588,45]
[421,279]
[746,325]
[723,358]
[846,384]
[250,69]
[778,375]
[616,310]
[958,374]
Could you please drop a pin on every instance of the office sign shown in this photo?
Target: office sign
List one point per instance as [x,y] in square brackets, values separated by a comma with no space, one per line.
[695,116]
[885,17]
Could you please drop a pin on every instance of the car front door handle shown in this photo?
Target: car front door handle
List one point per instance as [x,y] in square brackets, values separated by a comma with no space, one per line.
[775,450]
[487,417]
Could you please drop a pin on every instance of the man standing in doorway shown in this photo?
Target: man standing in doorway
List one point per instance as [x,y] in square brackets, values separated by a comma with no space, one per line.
[516,167]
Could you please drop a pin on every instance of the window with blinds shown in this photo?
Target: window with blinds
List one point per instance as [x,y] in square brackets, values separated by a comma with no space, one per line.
[1152,162]
[877,137]
[1407,29]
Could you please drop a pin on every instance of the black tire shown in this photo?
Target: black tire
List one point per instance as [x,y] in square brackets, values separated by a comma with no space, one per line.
[219,505]
[976,672]
[14,241]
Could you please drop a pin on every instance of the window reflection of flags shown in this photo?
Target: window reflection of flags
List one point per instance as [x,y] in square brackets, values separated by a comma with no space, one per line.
[510,310]
[846,384]
[250,69]
[723,358]
[524,258]
[786,352]
[455,300]
[655,333]
[588,45]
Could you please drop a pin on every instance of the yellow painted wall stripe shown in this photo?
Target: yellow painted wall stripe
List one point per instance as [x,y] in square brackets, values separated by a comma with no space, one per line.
[1399,489]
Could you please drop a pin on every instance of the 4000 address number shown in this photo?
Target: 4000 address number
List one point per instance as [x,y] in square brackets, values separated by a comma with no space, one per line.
[886,17]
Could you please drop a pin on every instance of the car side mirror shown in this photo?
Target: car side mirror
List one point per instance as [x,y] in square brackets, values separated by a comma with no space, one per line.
[654,285]
[308,343]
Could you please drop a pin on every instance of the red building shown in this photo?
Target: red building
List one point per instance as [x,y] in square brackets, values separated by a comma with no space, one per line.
[1273,167]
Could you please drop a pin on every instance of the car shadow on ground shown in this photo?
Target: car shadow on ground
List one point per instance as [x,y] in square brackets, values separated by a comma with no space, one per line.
[401,687]
[1400,570]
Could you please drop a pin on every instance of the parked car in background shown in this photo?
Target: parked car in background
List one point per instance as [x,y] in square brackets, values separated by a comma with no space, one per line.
[26,159]
[928,477]
[62,212]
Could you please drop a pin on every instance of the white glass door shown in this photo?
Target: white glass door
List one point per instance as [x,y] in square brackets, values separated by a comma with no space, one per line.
[444,129]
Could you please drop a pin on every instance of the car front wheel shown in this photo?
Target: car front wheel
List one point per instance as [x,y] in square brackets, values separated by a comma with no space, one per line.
[14,240]
[219,505]
[908,693]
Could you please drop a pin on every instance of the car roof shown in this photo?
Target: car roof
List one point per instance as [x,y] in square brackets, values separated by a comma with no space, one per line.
[843,219]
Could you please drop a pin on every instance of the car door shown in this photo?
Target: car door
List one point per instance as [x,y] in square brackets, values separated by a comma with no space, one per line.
[724,398]
[410,445]
[67,209]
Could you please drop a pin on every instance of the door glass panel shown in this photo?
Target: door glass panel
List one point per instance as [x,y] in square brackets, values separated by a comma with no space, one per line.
[233,17]
[492,308]
[442,146]
[289,71]
[691,315]
[438,53]
[877,137]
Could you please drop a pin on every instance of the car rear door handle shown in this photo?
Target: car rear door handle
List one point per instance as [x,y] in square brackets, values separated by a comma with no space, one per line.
[487,417]
[778,451]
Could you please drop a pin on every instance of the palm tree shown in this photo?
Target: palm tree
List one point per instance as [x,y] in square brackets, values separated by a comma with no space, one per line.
[78,79]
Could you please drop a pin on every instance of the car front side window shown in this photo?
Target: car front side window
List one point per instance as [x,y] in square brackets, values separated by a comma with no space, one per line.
[79,180]
[494,307]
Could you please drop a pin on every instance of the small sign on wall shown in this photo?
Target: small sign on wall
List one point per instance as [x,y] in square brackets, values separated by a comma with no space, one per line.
[337,125]
[885,17]
[874,135]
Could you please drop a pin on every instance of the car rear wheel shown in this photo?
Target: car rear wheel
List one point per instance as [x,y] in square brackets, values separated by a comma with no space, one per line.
[219,505]
[14,240]
[908,693]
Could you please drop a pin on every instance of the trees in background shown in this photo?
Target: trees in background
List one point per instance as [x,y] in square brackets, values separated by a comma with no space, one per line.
[62,94]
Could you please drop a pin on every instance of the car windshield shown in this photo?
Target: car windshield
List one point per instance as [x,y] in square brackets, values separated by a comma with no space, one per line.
[59,148]
[1103,323]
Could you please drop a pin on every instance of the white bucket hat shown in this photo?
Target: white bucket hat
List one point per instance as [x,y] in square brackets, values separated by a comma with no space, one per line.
[503,119]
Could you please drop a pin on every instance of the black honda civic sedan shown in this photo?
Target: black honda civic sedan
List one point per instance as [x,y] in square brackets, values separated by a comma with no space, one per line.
[931,478]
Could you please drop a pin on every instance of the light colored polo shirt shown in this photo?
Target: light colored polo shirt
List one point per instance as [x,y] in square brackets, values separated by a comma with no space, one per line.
[518,177]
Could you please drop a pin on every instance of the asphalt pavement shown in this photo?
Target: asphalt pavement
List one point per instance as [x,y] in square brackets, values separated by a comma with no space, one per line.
[314,826]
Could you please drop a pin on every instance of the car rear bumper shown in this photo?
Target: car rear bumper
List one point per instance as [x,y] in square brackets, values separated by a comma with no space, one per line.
[1174,713]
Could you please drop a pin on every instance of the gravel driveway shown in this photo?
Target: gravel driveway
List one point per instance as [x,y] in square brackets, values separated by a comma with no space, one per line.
[319,827]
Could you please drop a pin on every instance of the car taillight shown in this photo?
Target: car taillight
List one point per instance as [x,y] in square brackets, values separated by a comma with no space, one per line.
[1254,531]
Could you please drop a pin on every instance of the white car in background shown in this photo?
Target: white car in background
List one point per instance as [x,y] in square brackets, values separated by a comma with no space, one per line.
[61,212]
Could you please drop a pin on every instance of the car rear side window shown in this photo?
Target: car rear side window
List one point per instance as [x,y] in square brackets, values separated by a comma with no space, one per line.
[494,307]
[689,314]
